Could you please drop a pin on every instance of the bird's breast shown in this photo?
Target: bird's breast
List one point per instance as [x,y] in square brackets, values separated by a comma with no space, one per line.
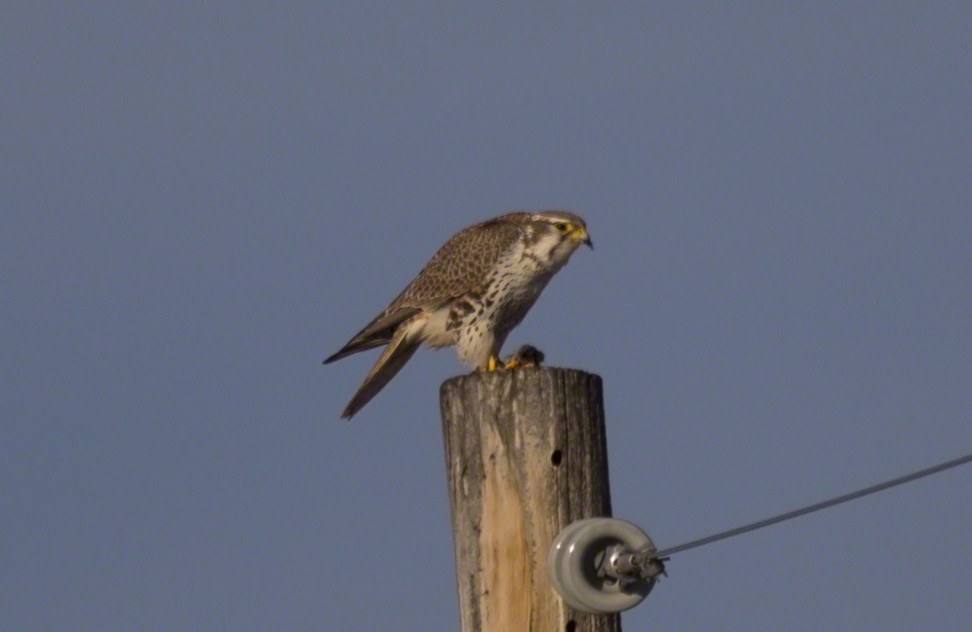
[485,315]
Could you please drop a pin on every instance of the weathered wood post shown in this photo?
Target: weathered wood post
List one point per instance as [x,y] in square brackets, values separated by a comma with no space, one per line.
[525,455]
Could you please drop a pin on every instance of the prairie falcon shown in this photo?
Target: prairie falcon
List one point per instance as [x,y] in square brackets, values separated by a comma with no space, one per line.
[471,294]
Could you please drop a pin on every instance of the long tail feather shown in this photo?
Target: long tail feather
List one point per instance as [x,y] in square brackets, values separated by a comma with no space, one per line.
[378,332]
[392,359]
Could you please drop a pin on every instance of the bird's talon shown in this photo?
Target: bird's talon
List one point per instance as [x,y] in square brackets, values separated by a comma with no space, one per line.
[525,356]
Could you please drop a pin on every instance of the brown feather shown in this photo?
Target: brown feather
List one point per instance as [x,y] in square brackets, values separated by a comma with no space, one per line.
[389,363]
[376,333]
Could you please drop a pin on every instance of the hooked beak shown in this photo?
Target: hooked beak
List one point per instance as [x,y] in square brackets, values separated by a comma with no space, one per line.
[582,236]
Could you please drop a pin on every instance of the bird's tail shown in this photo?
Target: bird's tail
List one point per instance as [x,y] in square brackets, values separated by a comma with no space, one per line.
[392,359]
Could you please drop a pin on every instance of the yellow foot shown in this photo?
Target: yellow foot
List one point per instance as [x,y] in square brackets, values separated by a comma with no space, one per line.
[492,364]
[525,356]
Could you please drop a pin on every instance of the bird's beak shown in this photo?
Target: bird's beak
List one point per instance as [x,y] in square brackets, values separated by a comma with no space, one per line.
[581,235]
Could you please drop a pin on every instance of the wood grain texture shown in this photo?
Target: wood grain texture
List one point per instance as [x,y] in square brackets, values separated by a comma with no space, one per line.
[525,456]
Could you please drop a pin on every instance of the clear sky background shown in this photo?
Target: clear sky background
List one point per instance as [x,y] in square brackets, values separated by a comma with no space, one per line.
[203,200]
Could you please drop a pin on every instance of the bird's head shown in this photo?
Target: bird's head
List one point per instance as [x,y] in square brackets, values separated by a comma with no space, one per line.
[557,234]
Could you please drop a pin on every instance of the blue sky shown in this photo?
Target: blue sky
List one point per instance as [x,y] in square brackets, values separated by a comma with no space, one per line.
[201,202]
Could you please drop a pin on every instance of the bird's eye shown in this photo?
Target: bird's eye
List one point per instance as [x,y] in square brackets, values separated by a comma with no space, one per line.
[562,227]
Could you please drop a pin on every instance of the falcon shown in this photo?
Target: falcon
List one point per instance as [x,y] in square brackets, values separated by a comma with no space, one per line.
[471,294]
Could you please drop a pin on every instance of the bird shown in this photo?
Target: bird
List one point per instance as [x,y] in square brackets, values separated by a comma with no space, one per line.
[472,293]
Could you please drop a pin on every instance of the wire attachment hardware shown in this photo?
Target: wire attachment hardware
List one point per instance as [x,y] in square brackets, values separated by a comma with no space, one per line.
[630,566]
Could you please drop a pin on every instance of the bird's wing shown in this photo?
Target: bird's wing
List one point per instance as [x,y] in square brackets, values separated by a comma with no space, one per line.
[461,265]
[376,333]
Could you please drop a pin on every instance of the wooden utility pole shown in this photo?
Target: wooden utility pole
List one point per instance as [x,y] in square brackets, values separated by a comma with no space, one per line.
[525,455]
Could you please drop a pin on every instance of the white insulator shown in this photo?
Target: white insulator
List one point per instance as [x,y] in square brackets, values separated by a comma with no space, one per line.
[576,563]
